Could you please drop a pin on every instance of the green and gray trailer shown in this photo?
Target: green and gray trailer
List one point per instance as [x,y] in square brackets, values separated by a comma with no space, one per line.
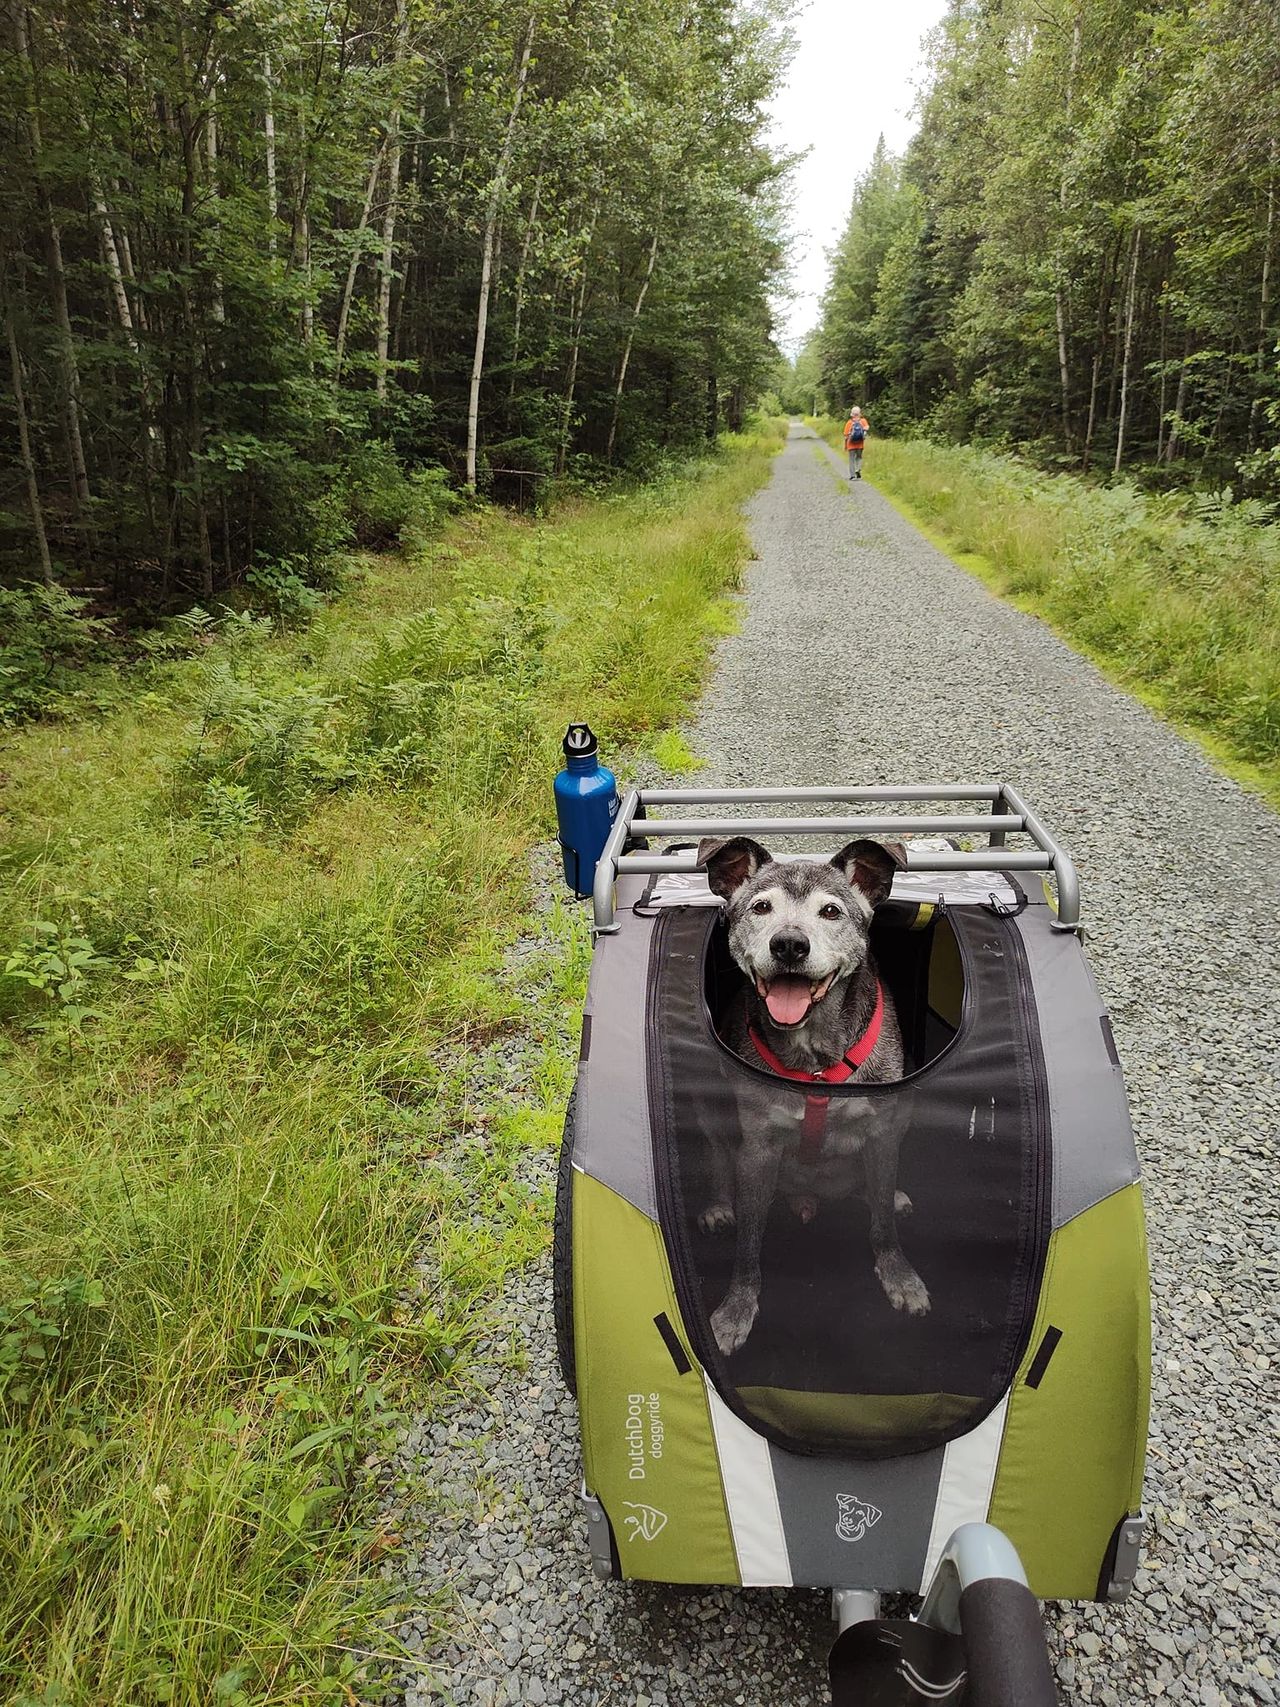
[847,1444]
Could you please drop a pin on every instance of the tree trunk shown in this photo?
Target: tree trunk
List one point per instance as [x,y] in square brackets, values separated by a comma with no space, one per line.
[304,244]
[571,378]
[211,157]
[486,262]
[269,132]
[300,239]
[1059,295]
[111,259]
[519,293]
[631,332]
[194,412]
[120,297]
[1264,309]
[24,442]
[127,267]
[389,220]
[388,254]
[1176,422]
[57,276]
[1128,349]
[1164,376]
[448,108]
[1093,413]
[353,267]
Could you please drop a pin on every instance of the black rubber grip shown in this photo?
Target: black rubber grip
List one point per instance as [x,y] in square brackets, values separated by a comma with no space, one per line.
[1005,1646]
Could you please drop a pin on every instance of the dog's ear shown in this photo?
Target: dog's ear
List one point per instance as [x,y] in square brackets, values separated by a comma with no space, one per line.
[728,864]
[870,866]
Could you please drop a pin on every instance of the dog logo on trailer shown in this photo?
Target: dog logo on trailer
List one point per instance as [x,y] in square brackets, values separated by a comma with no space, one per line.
[648,1522]
[855,1517]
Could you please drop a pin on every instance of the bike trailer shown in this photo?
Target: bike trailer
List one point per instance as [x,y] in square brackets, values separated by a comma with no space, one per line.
[845,1442]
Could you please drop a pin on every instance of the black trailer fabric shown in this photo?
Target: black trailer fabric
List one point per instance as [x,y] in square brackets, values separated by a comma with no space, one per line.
[830,1366]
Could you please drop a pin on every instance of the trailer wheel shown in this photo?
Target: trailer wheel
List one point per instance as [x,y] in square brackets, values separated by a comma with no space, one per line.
[562,1253]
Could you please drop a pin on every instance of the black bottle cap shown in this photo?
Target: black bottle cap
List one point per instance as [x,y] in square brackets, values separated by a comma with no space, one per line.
[579,742]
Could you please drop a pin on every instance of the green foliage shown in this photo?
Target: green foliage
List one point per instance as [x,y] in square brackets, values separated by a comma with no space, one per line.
[228,811]
[274,740]
[35,1327]
[1077,254]
[57,962]
[45,640]
[671,752]
[386,505]
[239,352]
[261,1206]
[280,586]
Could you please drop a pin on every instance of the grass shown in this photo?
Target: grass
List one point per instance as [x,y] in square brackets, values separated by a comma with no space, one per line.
[250,926]
[1176,598]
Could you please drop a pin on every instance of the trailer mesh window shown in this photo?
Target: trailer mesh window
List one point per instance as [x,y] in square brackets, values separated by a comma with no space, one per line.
[830,1365]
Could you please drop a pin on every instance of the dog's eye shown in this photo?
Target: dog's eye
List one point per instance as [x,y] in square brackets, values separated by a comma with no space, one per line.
[830,911]
[760,908]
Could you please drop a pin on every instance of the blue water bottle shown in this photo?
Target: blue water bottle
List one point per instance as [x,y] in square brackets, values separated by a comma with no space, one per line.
[586,805]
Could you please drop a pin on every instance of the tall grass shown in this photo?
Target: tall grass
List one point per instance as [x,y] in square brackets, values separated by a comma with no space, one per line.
[1176,596]
[249,934]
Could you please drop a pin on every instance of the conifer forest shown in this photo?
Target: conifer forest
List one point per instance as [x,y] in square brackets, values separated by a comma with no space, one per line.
[1077,253]
[276,272]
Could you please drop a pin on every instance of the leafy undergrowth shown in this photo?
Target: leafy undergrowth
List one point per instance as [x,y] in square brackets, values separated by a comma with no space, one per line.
[249,933]
[1177,597]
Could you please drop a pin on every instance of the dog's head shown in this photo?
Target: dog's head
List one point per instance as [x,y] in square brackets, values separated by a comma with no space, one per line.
[799,928]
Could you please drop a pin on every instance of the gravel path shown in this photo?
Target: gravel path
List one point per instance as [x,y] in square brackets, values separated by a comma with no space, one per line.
[866,655]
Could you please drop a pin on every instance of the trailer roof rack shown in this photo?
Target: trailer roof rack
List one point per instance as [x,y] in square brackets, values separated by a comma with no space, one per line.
[1006,814]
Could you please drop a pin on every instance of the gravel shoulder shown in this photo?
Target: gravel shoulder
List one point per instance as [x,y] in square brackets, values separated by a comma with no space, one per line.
[866,655]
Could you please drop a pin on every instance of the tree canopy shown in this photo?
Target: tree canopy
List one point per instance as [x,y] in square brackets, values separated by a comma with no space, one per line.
[259,258]
[1077,251]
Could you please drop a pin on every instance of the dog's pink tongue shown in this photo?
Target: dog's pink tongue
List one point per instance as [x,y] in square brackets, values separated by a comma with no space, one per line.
[788,999]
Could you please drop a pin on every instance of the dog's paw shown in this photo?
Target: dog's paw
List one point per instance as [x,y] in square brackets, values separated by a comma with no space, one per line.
[733,1321]
[902,1204]
[803,1207]
[903,1287]
[717,1218]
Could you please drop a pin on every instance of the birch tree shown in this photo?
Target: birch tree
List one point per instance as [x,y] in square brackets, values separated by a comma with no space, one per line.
[496,195]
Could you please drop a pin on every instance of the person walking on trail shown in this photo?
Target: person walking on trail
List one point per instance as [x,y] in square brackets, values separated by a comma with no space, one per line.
[856,429]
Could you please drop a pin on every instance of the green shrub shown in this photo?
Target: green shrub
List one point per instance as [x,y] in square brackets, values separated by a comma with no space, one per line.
[385,504]
[274,740]
[45,640]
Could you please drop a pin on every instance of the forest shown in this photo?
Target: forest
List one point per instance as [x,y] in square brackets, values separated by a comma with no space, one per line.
[1076,255]
[277,276]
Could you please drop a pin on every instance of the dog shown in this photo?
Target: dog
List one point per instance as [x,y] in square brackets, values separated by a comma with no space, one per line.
[812,1004]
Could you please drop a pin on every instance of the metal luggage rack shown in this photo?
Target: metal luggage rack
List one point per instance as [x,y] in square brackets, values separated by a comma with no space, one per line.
[1007,814]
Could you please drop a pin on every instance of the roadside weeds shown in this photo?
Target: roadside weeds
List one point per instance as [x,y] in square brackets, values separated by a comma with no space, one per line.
[250,938]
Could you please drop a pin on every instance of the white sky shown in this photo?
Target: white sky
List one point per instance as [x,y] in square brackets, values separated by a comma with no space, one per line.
[854,75]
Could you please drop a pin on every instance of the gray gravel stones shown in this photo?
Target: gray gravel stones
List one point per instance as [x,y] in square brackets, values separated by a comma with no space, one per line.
[865,655]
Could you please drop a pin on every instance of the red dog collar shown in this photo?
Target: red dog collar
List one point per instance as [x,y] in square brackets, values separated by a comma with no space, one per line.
[815,1107]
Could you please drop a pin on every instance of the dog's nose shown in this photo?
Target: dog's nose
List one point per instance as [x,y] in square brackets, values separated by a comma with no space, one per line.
[789,948]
